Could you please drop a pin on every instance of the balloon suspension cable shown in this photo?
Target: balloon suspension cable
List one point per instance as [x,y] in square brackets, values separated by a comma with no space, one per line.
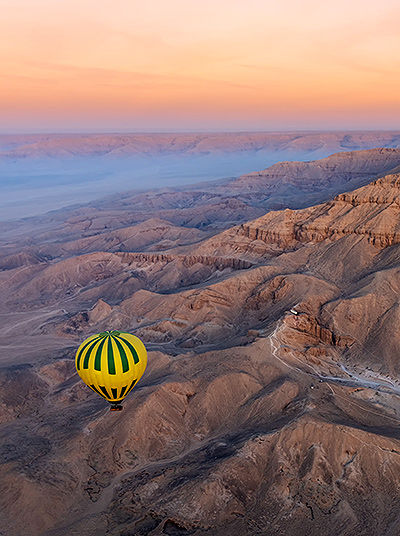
[116,406]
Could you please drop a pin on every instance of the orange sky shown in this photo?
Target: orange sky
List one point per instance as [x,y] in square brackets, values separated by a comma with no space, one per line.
[191,64]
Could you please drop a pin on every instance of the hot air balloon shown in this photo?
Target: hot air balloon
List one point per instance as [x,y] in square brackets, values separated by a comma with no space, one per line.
[111,363]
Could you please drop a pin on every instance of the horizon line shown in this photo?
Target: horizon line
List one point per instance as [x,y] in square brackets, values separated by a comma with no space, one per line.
[194,131]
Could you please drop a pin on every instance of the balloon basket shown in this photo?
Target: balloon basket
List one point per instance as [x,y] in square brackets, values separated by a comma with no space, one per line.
[116,407]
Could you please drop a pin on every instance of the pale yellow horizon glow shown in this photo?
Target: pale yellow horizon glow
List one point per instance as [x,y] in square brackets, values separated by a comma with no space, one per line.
[189,64]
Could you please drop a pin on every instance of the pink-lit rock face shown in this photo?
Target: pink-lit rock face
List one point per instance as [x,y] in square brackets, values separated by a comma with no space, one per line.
[270,403]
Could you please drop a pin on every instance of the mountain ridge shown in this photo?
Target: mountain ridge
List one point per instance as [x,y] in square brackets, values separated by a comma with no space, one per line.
[23,146]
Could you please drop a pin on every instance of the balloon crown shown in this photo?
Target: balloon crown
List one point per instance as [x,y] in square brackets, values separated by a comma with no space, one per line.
[108,333]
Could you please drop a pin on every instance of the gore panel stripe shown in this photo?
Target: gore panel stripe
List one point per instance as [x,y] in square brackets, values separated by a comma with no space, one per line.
[114,392]
[132,349]
[104,391]
[131,386]
[123,391]
[78,359]
[122,353]
[87,356]
[97,359]
[110,357]
[97,391]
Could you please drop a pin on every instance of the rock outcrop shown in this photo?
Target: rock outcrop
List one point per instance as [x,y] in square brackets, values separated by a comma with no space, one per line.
[219,263]
[340,168]
[371,212]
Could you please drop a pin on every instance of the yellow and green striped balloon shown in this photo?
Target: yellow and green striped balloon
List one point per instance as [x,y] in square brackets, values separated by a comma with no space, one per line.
[111,363]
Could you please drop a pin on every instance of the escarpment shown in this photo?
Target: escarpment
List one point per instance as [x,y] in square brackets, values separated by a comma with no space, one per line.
[311,325]
[339,168]
[371,212]
[298,233]
[382,191]
[220,263]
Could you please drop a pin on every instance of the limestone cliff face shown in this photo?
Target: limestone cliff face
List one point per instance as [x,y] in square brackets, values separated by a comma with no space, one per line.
[106,275]
[338,168]
[187,260]
[372,211]
[382,191]
[311,325]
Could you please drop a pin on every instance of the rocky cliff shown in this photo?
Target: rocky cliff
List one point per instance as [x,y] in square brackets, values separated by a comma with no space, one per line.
[340,168]
[370,212]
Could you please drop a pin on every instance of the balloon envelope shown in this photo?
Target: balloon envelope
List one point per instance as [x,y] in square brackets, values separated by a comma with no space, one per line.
[111,363]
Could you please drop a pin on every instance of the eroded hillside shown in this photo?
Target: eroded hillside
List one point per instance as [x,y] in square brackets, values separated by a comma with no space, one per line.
[271,400]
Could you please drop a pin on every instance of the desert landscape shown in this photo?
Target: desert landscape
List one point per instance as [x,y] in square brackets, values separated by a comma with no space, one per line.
[199,268]
[269,307]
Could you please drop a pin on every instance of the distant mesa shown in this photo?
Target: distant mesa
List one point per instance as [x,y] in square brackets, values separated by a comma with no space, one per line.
[120,145]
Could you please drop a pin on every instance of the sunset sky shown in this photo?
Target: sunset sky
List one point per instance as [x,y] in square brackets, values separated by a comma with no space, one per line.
[90,65]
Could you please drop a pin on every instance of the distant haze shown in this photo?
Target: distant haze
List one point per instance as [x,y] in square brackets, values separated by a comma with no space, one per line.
[46,172]
[32,187]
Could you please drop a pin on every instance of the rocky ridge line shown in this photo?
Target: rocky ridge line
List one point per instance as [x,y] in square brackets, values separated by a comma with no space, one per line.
[347,214]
